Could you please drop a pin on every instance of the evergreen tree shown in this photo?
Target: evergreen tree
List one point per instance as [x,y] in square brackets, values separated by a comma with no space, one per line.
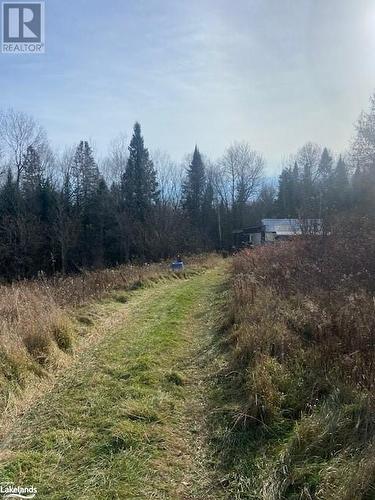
[340,186]
[296,190]
[194,189]
[140,195]
[9,228]
[288,200]
[66,226]
[9,197]
[84,174]
[325,166]
[284,195]
[104,222]
[32,177]
[85,178]
[139,184]
[325,179]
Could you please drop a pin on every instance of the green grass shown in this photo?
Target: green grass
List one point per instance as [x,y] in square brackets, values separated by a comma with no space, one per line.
[121,424]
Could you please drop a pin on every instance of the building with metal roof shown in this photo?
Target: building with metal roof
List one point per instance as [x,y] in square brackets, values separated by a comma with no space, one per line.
[269,230]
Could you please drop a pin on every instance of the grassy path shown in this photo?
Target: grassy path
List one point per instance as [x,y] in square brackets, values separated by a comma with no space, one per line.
[128,420]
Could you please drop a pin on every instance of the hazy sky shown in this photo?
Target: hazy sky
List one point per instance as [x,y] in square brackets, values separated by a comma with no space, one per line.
[276,73]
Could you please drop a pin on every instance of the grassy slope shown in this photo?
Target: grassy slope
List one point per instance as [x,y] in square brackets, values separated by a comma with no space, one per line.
[295,394]
[127,420]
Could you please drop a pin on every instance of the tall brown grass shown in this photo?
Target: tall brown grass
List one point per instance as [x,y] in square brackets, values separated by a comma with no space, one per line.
[302,346]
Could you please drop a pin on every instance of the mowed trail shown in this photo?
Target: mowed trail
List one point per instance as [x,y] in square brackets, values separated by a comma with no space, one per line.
[127,420]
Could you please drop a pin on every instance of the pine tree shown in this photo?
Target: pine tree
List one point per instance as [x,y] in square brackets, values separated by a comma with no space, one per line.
[66,226]
[84,174]
[340,186]
[9,197]
[194,189]
[325,183]
[284,193]
[139,184]
[288,196]
[33,190]
[103,221]
[32,168]
[84,180]
[325,166]
[296,191]
[9,228]
[140,194]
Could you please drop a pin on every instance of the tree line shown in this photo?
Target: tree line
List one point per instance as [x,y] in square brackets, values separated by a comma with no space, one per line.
[65,212]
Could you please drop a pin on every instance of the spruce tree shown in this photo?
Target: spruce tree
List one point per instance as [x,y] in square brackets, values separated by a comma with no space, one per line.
[9,197]
[66,224]
[194,189]
[84,174]
[140,194]
[296,191]
[85,179]
[9,228]
[325,183]
[139,184]
[32,177]
[340,186]
[286,200]
[325,166]
[283,194]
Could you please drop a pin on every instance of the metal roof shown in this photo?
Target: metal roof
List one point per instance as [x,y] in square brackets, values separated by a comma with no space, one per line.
[289,227]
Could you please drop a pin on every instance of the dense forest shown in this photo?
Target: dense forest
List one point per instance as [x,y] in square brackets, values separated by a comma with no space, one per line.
[61,212]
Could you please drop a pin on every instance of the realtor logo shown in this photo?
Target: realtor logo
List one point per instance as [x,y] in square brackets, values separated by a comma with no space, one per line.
[23,28]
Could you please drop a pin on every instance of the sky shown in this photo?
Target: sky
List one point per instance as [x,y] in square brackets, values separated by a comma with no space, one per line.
[274,73]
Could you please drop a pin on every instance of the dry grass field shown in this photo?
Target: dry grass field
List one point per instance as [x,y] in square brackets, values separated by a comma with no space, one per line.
[300,333]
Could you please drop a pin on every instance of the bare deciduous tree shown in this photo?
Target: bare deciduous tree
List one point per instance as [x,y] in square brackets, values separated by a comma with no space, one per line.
[243,168]
[363,147]
[65,161]
[169,178]
[18,131]
[113,166]
[308,158]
